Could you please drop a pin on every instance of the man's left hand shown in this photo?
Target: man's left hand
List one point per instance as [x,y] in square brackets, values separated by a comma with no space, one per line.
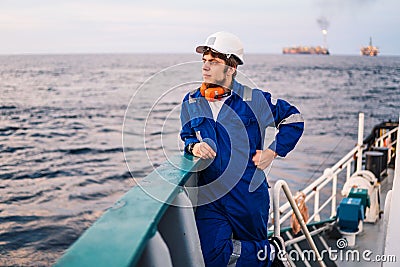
[263,158]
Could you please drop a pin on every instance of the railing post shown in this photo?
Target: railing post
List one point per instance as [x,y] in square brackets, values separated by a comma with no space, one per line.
[360,140]
[316,205]
[348,171]
[327,173]
[275,205]
[334,186]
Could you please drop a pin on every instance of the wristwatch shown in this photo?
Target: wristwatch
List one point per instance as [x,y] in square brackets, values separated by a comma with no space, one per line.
[189,148]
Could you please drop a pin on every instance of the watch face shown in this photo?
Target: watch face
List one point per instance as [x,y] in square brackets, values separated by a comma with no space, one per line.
[191,146]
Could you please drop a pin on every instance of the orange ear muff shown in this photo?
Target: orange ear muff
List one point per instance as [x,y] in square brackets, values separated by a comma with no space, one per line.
[203,89]
[212,93]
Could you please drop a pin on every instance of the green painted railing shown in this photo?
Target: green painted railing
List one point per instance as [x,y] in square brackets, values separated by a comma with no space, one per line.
[120,235]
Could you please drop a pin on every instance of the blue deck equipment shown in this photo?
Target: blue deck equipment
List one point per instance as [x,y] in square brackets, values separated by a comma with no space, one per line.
[350,212]
[362,194]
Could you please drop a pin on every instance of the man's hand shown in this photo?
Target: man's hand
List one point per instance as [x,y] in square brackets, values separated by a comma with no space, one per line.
[203,150]
[262,159]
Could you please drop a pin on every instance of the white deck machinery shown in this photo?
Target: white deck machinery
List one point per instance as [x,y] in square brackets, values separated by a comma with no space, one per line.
[362,191]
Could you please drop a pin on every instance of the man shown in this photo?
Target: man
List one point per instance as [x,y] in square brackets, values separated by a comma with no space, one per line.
[224,123]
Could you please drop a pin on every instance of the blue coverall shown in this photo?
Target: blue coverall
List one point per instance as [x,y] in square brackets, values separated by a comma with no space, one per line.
[232,215]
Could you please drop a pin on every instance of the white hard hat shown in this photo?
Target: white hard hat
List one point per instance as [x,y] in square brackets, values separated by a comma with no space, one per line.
[224,43]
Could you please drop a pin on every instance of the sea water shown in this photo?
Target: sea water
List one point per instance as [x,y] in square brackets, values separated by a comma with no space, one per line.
[62,161]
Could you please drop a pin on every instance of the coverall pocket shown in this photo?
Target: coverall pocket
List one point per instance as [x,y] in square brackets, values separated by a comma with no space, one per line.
[249,123]
[239,121]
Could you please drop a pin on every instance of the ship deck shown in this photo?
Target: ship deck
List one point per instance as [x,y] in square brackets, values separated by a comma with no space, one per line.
[370,242]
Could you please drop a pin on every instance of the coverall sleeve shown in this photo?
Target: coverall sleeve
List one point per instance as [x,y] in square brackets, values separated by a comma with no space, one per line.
[187,134]
[288,121]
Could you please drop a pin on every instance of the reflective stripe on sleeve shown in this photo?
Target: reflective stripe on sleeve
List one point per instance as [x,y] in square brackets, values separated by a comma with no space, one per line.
[294,118]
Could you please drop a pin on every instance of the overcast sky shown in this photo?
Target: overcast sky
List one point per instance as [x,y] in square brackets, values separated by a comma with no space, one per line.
[122,26]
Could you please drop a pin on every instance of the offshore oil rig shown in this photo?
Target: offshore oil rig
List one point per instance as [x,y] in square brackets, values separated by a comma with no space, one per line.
[370,50]
[309,50]
[312,50]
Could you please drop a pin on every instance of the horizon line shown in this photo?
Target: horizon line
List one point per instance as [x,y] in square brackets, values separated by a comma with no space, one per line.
[170,53]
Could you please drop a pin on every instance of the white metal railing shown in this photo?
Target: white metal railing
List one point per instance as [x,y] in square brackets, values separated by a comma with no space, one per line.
[281,184]
[386,137]
[330,176]
[386,141]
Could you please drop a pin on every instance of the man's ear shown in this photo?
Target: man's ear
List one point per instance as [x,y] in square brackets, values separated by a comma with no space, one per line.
[231,71]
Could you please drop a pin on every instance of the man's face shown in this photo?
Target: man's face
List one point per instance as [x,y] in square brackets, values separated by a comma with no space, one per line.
[214,70]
